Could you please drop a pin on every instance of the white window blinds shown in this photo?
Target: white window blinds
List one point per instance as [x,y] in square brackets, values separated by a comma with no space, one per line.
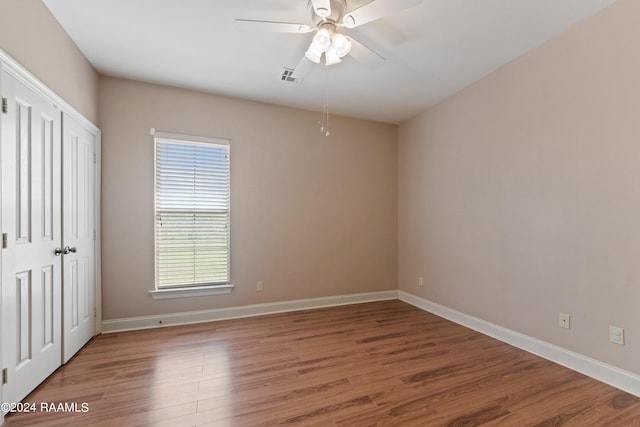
[191,211]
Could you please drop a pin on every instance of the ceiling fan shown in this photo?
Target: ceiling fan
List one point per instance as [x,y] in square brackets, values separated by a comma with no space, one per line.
[328,17]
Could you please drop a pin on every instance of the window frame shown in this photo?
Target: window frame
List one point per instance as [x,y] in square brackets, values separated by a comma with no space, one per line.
[189,290]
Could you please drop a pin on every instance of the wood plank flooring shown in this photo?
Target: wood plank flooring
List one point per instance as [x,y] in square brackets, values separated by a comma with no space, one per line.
[375,364]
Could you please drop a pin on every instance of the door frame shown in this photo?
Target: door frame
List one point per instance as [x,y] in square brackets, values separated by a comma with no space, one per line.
[13,67]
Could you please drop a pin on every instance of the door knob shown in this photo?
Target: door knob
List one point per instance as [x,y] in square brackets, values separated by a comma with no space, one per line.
[68,250]
[58,251]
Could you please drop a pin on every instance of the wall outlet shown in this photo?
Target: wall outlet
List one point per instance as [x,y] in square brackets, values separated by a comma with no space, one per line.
[259,286]
[420,281]
[616,335]
[564,320]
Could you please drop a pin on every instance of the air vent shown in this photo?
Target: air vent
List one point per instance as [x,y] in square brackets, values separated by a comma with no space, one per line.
[287,76]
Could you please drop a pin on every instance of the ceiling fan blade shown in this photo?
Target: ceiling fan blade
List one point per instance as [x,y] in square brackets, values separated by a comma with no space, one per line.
[302,69]
[364,55]
[322,8]
[271,26]
[375,10]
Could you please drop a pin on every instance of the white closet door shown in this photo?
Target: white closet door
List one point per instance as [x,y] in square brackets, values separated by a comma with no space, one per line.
[78,148]
[31,209]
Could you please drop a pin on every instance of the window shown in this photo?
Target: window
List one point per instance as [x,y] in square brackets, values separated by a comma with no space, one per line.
[191,215]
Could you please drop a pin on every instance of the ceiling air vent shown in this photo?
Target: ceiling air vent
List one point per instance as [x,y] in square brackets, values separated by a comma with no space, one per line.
[287,76]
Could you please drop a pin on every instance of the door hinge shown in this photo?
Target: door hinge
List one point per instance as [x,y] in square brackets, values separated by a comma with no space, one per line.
[4,240]
[94,157]
[94,234]
[5,376]
[5,105]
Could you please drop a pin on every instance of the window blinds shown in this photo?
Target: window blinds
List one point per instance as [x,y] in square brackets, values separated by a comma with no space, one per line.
[191,212]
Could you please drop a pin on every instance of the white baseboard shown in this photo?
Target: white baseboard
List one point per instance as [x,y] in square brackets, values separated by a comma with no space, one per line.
[616,377]
[172,319]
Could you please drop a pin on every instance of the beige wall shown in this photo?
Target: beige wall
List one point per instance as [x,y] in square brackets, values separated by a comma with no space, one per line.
[519,197]
[32,36]
[311,216]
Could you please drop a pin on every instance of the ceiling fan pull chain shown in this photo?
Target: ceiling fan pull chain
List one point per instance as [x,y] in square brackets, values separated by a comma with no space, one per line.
[325,111]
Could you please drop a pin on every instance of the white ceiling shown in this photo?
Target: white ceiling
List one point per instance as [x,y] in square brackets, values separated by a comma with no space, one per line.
[431,51]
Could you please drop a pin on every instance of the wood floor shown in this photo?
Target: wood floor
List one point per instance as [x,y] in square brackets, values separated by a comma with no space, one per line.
[384,363]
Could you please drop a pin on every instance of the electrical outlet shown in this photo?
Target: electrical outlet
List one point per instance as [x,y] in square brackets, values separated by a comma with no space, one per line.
[259,286]
[616,335]
[564,320]
[420,281]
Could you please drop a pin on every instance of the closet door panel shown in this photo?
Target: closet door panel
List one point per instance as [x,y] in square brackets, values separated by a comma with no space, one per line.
[31,218]
[78,233]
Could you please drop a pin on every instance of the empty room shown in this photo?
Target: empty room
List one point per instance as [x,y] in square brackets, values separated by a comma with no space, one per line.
[320,212]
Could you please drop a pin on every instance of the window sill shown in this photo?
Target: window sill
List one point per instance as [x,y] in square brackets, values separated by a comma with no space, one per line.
[199,291]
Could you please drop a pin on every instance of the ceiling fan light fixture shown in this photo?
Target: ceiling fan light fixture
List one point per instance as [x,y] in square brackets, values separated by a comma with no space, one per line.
[313,53]
[322,40]
[332,57]
[341,44]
